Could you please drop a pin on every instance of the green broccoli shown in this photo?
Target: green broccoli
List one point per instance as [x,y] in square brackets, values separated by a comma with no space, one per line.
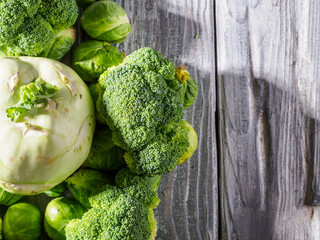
[27,27]
[161,154]
[139,187]
[138,101]
[123,211]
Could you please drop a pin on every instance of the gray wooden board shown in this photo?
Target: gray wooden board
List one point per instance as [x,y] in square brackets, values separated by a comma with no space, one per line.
[268,107]
[183,30]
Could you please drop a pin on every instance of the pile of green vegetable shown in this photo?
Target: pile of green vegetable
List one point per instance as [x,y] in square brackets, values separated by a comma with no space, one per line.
[95,150]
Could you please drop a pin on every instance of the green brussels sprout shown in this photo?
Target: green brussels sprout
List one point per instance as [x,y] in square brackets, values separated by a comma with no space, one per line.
[186,86]
[0,228]
[84,3]
[58,213]
[104,155]
[60,45]
[7,198]
[92,58]
[47,131]
[22,221]
[193,141]
[82,183]
[106,21]
[57,190]
[94,91]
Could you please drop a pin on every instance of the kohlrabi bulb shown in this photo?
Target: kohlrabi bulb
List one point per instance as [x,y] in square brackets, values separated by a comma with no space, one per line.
[46,123]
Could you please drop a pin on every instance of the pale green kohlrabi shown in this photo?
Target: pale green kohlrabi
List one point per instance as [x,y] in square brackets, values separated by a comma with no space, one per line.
[46,121]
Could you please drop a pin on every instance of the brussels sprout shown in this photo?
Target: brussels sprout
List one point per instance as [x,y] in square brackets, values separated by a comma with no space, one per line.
[57,190]
[0,228]
[82,183]
[84,3]
[53,123]
[7,198]
[93,88]
[104,155]
[186,86]
[193,141]
[92,58]
[22,221]
[58,213]
[60,45]
[106,21]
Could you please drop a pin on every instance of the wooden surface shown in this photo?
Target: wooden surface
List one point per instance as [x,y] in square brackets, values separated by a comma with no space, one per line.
[268,109]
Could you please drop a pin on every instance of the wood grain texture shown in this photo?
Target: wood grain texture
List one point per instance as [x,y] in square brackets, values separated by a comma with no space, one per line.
[183,30]
[268,68]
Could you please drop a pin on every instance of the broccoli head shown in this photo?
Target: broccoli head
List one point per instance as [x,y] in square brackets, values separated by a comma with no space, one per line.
[114,215]
[138,101]
[27,27]
[61,14]
[135,104]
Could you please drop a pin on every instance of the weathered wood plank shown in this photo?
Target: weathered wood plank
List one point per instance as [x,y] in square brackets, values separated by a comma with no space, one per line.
[268,85]
[189,195]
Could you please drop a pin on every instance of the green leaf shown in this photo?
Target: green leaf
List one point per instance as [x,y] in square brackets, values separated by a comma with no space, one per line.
[186,86]
[35,95]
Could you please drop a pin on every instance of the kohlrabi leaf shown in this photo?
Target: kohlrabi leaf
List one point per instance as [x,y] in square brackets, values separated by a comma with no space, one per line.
[31,96]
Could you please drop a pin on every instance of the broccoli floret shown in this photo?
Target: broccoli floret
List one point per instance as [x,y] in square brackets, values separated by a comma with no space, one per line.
[162,154]
[51,9]
[151,60]
[114,215]
[13,12]
[138,102]
[32,36]
[138,187]
[27,27]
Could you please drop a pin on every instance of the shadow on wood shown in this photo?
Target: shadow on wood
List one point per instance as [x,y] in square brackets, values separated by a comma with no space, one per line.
[269,164]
